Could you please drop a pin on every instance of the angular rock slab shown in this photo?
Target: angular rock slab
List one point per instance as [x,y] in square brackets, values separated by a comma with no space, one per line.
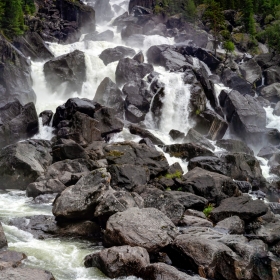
[119,261]
[26,274]
[148,228]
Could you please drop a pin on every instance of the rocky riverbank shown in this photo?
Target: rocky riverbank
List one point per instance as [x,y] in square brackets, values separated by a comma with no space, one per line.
[155,220]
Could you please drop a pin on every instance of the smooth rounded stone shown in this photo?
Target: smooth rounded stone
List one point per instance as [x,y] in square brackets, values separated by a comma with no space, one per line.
[234,225]
[44,187]
[190,200]
[276,110]
[212,186]
[108,94]
[119,261]
[115,54]
[251,71]
[3,240]
[163,201]
[243,207]
[11,259]
[17,122]
[113,202]
[176,134]
[192,221]
[137,130]
[78,201]
[195,137]
[214,259]
[22,163]
[148,228]
[25,273]
[186,151]
[130,70]
[234,146]
[70,68]
[162,271]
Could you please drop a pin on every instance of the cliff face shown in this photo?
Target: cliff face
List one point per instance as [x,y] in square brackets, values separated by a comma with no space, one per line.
[144,3]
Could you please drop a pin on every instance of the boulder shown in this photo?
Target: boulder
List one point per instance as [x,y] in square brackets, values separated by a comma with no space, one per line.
[266,60]
[216,259]
[233,225]
[192,221]
[166,56]
[119,261]
[269,232]
[136,154]
[164,271]
[271,92]
[243,207]
[195,137]
[24,273]
[190,200]
[17,122]
[276,110]
[108,94]
[15,75]
[133,114]
[212,186]
[236,82]
[32,45]
[79,201]
[268,151]
[46,117]
[137,130]
[22,163]
[130,228]
[143,3]
[246,116]
[251,71]
[211,124]
[207,57]
[271,75]
[186,150]
[107,35]
[139,57]
[234,146]
[3,240]
[163,201]
[130,70]
[11,259]
[131,29]
[69,68]
[127,176]
[44,187]
[115,54]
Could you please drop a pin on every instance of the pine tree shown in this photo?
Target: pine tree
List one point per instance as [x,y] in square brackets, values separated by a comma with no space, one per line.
[189,9]
[248,17]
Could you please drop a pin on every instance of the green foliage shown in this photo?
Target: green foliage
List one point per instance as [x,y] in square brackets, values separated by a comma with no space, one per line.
[229,46]
[207,211]
[177,174]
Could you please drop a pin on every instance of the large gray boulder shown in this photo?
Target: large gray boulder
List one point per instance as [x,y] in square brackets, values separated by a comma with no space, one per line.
[22,163]
[15,75]
[212,186]
[17,122]
[245,114]
[24,273]
[243,207]
[79,201]
[251,71]
[115,54]
[271,92]
[271,75]
[119,261]
[70,68]
[130,70]
[130,228]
